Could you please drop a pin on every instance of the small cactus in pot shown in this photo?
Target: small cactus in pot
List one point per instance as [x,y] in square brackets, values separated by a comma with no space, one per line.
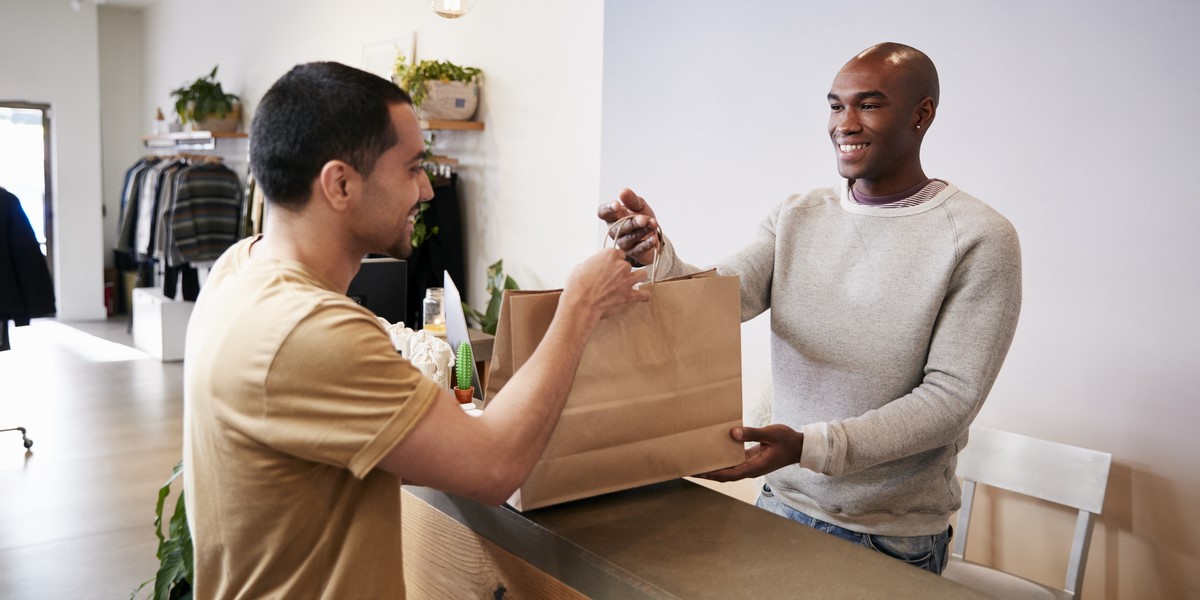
[464,365]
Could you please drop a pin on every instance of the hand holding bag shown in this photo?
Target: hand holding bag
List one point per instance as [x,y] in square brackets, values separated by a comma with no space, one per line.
[656,393]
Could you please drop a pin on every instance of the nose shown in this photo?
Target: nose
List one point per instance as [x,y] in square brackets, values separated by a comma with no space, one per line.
[425,193]
[845,121]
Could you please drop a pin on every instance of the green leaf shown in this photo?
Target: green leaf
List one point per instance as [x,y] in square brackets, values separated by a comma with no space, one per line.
[175,551]
[179,526]
[163,492]
[134,593]
[421,230]
[414,78]
[497,282]
[168,573]
[206,96]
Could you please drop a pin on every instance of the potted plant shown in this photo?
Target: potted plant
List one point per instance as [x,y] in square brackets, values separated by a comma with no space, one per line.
[440,89]
[497,282]
[176,565]
[464,365]
[206,106]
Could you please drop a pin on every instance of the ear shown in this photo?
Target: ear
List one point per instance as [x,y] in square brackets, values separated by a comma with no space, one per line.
[926,111]
[338,183]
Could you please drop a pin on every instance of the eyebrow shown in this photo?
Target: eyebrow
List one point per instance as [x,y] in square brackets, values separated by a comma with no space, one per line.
[859,97]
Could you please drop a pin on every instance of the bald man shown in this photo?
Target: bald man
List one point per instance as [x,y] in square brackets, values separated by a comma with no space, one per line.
[893,297]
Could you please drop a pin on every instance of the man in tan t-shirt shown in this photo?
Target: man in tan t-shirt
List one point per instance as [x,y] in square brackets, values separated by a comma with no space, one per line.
[300,418]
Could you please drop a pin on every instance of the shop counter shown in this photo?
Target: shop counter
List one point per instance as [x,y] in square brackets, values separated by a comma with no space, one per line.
[670,540]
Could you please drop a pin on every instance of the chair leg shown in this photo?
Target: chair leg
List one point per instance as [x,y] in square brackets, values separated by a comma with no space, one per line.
[24,438]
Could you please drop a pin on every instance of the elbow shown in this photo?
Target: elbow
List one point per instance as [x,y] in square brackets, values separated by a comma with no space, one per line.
[496,491]
[500,484]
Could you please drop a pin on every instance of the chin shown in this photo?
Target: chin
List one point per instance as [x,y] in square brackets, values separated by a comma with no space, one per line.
[401,250]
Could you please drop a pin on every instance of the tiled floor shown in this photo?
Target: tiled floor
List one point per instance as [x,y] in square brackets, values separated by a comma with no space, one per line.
[77,511]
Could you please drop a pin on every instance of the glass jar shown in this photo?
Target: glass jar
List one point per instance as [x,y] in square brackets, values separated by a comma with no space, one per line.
[434,313]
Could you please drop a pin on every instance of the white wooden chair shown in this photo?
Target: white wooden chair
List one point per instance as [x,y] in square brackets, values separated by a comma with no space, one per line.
[1051,471]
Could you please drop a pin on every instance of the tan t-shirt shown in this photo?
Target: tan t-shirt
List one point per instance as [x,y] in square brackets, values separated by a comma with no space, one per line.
[292,394]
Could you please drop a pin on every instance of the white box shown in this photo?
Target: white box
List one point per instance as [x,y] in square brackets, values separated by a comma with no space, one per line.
[160,324]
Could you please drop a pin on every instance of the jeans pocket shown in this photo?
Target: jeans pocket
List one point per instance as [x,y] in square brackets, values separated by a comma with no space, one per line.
[916,550]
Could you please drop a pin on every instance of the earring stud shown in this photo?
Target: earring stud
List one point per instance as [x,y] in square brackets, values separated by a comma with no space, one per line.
[918,127]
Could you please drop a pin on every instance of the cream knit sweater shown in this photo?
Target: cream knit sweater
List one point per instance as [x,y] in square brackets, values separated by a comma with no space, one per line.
[889,327]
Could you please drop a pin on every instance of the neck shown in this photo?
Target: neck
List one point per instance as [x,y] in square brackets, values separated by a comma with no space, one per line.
[311,240]
[891,185]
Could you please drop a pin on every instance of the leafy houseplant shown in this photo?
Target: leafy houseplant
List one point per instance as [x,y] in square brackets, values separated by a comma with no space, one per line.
[464,365]
[421,230]
[497,282]
[422,80]
[175,553]
[204,97]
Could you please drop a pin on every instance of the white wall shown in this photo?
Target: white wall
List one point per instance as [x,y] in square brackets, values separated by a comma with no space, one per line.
[529,182]
[122,116]
[48,55]
[1071,118]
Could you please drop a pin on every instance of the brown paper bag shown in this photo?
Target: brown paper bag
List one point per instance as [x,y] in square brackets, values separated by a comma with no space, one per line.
[657,391]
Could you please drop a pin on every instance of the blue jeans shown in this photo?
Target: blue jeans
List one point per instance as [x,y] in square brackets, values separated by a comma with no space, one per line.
[927,552]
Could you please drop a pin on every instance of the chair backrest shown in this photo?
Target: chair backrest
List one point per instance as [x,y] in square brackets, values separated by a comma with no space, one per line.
[1063,474]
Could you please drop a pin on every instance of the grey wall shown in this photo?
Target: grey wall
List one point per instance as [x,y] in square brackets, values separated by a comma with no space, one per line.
[122,115]
[1073,119]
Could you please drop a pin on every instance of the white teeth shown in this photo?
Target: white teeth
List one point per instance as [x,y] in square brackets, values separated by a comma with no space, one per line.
[412,218]
[852,147]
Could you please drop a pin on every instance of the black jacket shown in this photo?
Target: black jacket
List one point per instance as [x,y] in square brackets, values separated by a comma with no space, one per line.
[26,290]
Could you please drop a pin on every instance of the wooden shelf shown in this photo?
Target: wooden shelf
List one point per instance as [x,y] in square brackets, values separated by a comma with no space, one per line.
[190,140]
[453,125]
[194,135]
[442,160]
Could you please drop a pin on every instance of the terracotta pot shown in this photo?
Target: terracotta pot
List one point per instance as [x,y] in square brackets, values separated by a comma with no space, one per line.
[465,396]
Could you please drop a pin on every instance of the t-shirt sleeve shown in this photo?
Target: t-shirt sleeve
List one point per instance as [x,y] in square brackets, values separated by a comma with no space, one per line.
[338,392]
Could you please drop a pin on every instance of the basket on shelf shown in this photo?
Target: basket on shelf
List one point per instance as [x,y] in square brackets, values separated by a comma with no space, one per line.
[450,100]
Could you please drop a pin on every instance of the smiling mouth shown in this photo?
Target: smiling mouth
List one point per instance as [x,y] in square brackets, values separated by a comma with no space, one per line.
[851,147]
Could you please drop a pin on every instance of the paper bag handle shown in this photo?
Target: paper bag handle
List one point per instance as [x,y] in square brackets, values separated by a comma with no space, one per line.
[657,231]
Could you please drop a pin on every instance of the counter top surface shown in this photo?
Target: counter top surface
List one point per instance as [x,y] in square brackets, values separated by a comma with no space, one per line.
[680,540]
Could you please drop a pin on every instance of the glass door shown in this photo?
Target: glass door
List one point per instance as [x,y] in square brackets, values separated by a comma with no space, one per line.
[25,164]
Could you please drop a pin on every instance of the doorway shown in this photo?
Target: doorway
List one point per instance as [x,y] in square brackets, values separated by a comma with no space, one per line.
[25,166]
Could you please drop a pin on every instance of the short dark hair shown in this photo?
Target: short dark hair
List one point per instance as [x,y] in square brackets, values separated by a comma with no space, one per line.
[316,113]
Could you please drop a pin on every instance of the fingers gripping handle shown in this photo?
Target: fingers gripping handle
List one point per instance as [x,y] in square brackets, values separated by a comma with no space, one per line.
[613,235]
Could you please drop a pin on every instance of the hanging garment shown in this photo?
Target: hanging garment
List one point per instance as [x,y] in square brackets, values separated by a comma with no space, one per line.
[26,290]
[166,252]
[149,208]
[126,233]
[208,201]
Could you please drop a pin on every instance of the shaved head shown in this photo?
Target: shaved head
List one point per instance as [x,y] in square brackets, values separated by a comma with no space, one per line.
[915,72]
[881,105]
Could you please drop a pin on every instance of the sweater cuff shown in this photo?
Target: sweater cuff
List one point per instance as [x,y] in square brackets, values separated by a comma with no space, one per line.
[814,455]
